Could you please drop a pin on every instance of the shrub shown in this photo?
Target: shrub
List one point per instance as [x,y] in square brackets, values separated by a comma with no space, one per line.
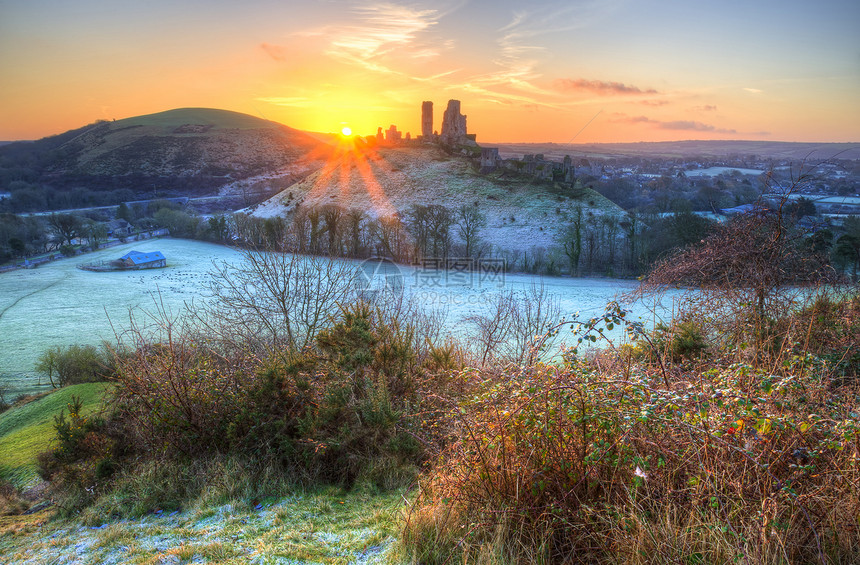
[575,464]
[351,408]
[684,339]
[75,464]
[75,364]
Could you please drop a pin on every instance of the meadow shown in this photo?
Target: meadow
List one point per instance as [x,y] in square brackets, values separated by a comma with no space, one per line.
[59,305]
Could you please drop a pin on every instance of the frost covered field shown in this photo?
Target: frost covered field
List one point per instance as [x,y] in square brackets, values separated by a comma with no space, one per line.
[57,304]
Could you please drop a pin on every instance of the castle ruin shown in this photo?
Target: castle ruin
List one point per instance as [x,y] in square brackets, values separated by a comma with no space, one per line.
[427,120]
[453,124]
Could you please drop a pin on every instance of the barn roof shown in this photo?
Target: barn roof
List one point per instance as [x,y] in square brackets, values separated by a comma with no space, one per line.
[140,258]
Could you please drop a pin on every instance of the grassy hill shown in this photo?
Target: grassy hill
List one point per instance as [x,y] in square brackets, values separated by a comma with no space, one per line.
[26,431]
[522,212]
[183,151]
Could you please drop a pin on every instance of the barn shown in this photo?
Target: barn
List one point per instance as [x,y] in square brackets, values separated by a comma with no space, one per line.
[143,260]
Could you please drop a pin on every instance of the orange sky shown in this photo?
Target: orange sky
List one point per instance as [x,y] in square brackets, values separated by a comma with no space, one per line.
[643,70]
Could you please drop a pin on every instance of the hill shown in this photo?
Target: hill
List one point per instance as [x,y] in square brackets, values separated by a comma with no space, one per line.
[523,213]
[179,152]
[27,430]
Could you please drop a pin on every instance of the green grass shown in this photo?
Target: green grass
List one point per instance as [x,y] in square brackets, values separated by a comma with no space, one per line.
[26,431]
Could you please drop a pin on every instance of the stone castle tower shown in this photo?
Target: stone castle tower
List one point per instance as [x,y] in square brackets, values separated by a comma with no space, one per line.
[453,124]
[427,120]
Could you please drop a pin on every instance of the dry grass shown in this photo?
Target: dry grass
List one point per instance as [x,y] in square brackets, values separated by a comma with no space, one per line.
[581,466]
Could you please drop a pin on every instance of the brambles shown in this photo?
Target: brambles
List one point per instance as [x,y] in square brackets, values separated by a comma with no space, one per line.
[578,463]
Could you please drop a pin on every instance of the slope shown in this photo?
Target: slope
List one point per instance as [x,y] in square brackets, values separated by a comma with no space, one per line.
[522,213]
[26,431]
[182,151]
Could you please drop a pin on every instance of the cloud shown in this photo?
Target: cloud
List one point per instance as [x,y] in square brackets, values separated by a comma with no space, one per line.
[276,52]
[383,29]
[601,87]
[706,108]
[676,125]
[753,90]
[654,102]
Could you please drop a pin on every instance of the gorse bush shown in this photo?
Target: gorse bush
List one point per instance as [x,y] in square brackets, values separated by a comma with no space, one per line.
[575,462]
[80,460]
[682,340]
[352,407]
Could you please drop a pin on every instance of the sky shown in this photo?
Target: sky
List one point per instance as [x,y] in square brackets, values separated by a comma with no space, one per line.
[564,71]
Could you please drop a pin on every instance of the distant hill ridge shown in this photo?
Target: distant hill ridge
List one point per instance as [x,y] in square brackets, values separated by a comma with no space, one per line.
[205,148]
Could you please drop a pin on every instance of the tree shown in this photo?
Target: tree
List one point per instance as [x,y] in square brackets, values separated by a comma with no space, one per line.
[94,232]
[123,212]
[65,227]
[354,220]
[274,302]
[469,221]
[801,207]
[333,216]
[847,253]
[218,227]
[744,272]
[572,241]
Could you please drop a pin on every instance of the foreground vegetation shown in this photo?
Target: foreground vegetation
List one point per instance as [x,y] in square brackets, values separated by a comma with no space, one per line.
[730,434]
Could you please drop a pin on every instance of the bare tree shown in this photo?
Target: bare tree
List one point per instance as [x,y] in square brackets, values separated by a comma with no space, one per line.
[514,326]
[745,275]
[354,219]
[571,241]
[65,227]
[469,222]
[276,302]
[333,216]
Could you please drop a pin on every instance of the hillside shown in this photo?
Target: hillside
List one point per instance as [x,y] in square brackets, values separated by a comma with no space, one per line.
[182,151]
[522,213]
[26,431]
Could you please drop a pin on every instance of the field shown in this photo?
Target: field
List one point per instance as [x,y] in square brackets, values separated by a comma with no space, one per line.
[58,304]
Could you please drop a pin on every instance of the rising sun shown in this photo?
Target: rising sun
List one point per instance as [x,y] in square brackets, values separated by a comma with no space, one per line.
[346,131]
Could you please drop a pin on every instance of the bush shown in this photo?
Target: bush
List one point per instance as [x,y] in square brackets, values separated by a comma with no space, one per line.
[75,364]
[75,464]
[578,463]
[684,339]
[351,408]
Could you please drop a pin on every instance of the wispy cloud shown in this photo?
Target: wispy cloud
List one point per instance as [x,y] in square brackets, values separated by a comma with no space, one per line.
[600,87]
[753,90]
[382,29]
[276,52]
[706,108]
[677,125]
[653,102]
[520,50]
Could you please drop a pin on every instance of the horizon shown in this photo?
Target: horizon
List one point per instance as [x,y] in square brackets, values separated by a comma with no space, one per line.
[586,72]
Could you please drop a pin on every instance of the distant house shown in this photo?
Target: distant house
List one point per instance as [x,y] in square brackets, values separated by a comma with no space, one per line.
[140,260]
[119,228]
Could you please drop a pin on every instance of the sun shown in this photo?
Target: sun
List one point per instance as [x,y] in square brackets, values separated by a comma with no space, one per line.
[346,131]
